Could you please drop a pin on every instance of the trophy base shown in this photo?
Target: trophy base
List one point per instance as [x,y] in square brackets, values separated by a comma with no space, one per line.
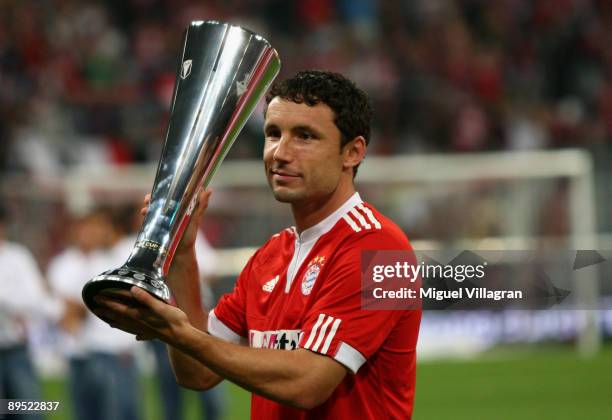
[123,279]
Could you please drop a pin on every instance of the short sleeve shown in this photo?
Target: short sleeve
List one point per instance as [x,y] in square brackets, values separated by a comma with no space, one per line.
[228,319]
[336,325]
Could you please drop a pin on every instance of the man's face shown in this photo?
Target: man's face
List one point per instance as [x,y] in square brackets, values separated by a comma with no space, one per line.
[302,151]
[92,232]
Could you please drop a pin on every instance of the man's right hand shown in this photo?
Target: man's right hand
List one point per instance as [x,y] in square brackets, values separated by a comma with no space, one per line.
[183,275]
[189,236]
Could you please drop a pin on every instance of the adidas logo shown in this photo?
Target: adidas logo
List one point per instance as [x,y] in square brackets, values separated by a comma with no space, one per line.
[269,286]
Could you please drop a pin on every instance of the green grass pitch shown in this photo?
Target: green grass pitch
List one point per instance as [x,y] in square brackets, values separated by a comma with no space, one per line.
[504,384]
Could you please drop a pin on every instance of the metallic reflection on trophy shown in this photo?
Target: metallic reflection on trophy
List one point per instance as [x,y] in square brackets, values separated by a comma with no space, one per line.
[223,72]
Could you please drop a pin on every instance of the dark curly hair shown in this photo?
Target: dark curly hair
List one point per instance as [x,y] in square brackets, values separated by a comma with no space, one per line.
[351,106]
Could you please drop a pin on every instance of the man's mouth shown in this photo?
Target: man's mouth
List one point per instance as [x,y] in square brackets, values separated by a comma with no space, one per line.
[283,174]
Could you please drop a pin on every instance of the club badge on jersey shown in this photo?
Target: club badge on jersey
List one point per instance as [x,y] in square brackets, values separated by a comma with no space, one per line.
[312,272]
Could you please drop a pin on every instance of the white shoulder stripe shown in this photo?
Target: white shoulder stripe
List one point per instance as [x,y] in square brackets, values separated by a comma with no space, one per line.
[313,333]
[360,218]
[370,215]
[330,336]
[321,335]
[352,224]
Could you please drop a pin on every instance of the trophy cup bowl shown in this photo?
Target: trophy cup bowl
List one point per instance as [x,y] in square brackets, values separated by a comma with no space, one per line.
[224,71]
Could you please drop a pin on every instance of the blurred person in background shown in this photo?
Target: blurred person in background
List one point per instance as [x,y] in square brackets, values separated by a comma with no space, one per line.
[127,221]
[103,375]
[170,391]
[23,298]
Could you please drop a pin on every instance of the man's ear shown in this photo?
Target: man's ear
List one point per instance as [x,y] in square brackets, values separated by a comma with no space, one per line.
[354,152]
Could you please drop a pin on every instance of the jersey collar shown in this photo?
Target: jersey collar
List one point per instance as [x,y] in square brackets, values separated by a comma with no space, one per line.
[325,225]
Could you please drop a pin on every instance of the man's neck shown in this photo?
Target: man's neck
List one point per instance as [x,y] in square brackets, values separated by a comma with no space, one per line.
[306,215]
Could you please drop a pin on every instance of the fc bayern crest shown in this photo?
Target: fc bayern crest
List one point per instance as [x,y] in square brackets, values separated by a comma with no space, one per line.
[312,272]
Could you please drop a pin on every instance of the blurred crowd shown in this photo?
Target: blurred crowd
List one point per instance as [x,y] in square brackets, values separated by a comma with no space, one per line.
[45,326]
[90,82]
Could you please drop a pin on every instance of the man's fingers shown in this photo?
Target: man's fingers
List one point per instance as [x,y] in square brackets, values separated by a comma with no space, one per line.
[122,297]
[147,201]
[118,295]
[126,300]
[145,299]
[115,310]
[203,198]
[116,321]
[130,328]
[141,307]
[126,322]
[106,316]
[115,292]
[144,337]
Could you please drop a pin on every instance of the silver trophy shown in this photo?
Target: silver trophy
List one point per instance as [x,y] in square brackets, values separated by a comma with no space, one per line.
[223,73]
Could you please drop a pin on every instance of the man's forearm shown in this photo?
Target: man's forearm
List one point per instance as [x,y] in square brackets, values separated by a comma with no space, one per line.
[184,284]
[288,377]
[196,352]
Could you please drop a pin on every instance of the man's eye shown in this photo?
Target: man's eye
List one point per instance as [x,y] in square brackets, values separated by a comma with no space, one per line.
[272,135]
[306,135]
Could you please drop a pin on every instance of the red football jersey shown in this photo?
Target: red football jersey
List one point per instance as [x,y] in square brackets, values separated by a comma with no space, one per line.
[303,291]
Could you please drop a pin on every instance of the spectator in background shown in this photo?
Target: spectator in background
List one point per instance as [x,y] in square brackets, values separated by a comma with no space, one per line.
[128,221]
[22,298]
[103,375]
[170,392]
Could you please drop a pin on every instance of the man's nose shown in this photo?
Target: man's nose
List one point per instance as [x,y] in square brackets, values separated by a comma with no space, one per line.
[283,149]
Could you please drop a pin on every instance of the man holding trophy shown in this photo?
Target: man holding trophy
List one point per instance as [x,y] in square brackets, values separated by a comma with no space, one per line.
[301,291]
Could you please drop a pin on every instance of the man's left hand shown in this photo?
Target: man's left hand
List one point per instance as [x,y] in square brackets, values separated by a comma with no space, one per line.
[137,312]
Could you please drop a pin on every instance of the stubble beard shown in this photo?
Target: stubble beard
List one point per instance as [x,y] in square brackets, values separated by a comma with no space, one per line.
[288,196]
